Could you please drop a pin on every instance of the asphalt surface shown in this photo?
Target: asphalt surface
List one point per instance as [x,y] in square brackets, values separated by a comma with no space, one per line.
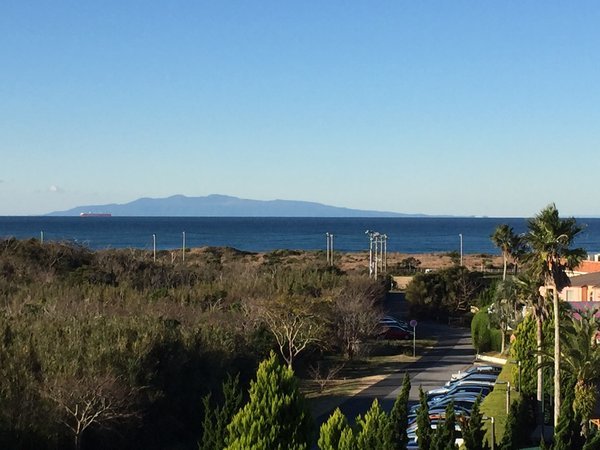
[453,352]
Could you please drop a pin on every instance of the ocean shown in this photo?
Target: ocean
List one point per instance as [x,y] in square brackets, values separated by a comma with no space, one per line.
[260,234]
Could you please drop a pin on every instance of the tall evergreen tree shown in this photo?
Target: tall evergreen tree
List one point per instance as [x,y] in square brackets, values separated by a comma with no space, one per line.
[424,432]
[331,432]
[372,429]
[398,439]
[473,431]
[217,418]
[276,416]
[445,435]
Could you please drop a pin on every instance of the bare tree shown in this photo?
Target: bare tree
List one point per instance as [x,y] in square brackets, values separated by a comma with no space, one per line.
[356,314]
[96,400]
[323,374]
[294,322]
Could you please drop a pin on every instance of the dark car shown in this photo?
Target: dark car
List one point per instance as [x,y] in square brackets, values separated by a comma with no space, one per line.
[394,332]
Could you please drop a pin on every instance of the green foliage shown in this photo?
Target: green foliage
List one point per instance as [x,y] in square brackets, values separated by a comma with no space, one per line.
[480,332]
[372,429]
[445,434]
[424,432]
[332,431]
[518,426]
[166,331]
[275,416]
[217,418]
[473,430]
[567,433]
[444,293]
[399,417]
[524,349]
[593,442]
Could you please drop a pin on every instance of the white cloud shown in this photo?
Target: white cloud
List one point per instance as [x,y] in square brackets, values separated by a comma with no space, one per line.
[55,188]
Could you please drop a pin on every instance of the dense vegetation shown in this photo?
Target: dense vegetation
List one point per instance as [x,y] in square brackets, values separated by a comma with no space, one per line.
[111,349]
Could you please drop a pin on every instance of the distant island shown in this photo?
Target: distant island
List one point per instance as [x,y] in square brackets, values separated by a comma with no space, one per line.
[222,206]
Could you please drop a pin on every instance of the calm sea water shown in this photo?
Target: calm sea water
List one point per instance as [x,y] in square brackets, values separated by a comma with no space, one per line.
[406,235]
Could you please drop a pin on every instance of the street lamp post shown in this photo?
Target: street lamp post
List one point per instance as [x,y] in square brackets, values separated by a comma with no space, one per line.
[461,248]
[493,422]
[370,233]
[327,243]
[154,247]
[183,248]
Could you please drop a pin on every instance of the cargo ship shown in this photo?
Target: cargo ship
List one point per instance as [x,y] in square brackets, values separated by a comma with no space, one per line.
[93,214]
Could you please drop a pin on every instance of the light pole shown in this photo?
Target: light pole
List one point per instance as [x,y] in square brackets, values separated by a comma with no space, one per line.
[370,234]
[461,248]
[413,323]
[331,256]
[154,247]
[183,248]
[41,237]
[492,421]
[385,253]
[327,243]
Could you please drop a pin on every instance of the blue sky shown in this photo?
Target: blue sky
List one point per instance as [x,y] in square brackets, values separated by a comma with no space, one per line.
[445,107]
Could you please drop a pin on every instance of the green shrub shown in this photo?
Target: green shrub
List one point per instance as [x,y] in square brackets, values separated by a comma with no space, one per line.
[495,340]
[480,332]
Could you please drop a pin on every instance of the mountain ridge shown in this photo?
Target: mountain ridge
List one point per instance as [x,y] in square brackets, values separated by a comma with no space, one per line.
[219,205]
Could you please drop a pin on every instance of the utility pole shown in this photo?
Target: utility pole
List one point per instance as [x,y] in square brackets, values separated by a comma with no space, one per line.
[370,233]
[183,248]
[41,237]
[376,253]
[327,243]
[331,256]
[461,249]
[385,253]
[154,247]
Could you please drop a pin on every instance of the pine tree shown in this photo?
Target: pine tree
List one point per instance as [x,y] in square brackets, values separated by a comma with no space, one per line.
[593,442]
[424,432]
[331,431]
[397,437]
[372,429]
[445,435]
[275,417]
[473,431]
[217,418]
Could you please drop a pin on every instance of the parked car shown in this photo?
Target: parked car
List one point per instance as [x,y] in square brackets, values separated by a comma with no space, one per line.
[396,320]
[438,411]
[473,389]
[395,323]
[394,332]
[477,369]
[466,402]
[466,382]
[458,440]
[474,377]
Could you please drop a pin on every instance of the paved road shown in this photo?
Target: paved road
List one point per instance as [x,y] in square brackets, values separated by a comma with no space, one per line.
[453,352]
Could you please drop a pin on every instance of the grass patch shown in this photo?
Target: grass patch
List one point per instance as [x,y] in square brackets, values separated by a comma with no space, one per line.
[494,405]
[383,358]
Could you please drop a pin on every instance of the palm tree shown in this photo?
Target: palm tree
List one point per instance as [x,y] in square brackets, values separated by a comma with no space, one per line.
[581,355]
[507,241]
[550,239]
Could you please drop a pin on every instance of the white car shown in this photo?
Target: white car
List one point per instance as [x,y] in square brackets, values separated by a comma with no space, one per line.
[444,390]
[474,377]
[476,369]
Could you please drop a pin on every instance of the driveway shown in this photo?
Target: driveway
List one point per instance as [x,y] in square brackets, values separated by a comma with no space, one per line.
[453,352]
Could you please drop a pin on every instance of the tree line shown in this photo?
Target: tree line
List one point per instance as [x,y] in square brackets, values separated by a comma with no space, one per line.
[111,349]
